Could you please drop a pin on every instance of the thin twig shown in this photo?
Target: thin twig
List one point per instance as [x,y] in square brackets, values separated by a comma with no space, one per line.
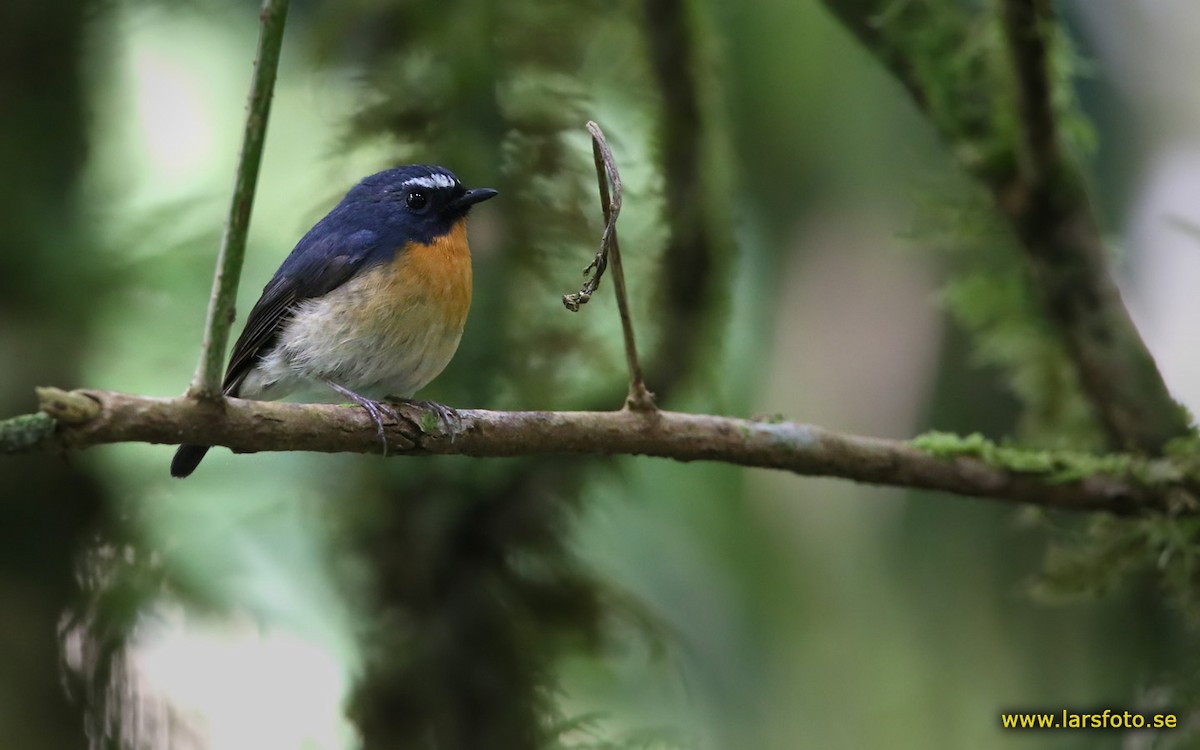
[1066,481]
[599,265]
[207,381]
[606,171]
[639,398]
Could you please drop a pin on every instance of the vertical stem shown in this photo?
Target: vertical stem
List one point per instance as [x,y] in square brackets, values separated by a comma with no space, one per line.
[695,227]
[207,381]
[606,170]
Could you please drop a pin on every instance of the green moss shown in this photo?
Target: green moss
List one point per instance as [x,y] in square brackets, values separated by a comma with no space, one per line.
[23,433]
[1055,465]
[950,445]
[992,298]
[1185,448]
[1097,559]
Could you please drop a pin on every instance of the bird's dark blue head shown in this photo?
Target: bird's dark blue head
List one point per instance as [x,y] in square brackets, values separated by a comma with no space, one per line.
[426,200]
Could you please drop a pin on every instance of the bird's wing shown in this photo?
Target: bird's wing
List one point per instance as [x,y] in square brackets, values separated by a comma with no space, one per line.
[321,262]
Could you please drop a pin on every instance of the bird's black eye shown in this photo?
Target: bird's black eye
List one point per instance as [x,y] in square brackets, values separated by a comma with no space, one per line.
[416,200]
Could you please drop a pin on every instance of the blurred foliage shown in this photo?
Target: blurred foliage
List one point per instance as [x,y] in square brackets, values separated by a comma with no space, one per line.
[989,294]
[50,512]
[477,593]
[952,58]
[949,55]
[498,604]
[474,594]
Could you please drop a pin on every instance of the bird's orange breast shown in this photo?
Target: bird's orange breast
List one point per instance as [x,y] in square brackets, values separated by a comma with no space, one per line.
[426,284]
[391,329]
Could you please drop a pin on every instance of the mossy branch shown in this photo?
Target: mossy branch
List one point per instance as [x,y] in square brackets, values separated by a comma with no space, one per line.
[1052,216]
[964,466]
[207,381]
[1038,190]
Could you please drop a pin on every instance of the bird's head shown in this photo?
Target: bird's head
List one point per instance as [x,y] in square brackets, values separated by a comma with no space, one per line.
[429,200]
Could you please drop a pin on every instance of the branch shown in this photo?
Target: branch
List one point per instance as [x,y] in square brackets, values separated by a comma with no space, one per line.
[699,240]
[1026,24]
[1041,194]
[1118,484]
[1050,211]
[207,381]
[610,252]
[867,21]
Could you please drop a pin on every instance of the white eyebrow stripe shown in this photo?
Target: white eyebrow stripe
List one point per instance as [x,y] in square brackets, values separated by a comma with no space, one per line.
[432,182]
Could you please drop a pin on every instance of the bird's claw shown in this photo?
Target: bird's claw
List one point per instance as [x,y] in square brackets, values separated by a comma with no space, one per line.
[448,421]
[377,410]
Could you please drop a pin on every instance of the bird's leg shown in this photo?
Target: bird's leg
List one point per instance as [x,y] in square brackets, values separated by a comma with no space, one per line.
[447,417]
[377,409]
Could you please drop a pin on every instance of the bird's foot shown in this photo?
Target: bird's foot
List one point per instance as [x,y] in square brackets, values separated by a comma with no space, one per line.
[378,410]
[436,417]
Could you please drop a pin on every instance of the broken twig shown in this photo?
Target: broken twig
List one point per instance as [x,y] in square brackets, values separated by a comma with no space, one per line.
[639,398]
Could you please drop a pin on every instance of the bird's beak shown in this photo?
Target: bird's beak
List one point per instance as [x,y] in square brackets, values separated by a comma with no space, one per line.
[471,197]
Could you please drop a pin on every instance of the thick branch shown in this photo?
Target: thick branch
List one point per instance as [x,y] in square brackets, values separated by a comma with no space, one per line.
[1041,193]
[88,418]
[692,269]
[1050,211]
[207,381]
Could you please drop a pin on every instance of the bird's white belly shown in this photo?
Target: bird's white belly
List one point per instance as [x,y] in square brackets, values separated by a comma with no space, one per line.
[329,339]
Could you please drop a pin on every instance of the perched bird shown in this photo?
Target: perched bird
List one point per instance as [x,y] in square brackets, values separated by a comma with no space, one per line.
[370,303]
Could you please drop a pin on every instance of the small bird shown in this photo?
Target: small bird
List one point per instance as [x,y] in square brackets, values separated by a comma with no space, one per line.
[371,303]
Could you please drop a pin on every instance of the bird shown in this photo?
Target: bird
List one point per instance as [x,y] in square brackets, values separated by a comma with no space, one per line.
[371,303]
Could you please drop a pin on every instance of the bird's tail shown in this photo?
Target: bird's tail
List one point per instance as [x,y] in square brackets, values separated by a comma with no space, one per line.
[187,458]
